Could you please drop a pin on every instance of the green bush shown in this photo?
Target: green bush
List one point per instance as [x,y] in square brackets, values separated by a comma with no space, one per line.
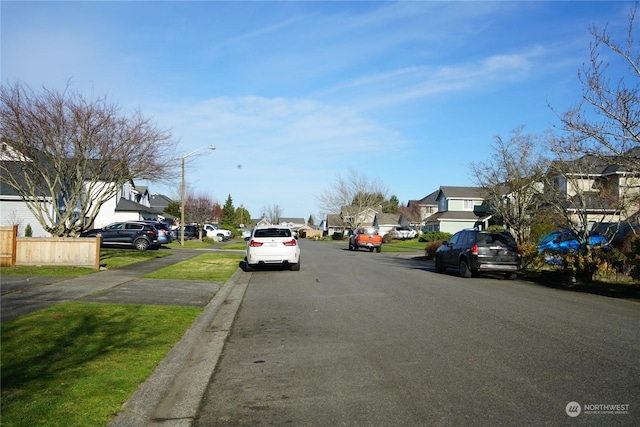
[337,236]
[28,232]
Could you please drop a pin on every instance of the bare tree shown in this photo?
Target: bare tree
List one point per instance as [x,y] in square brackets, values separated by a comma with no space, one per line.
[512,178]
[607,119]
[352,196]
[198,209]
[67,155]
[272,213]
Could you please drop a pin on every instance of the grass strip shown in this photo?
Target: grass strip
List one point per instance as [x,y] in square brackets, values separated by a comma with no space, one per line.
[75,364]
[109,259]
[238,246]
[217,267]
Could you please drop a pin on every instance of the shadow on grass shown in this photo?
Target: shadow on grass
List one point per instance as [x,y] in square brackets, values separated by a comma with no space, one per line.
[59,342]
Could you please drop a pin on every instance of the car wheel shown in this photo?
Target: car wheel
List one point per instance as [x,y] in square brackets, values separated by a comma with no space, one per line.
[439,267]
[464,269]
[511,276]
[379,249]
[350,246]
[141,244]
[296,267]
[371,249]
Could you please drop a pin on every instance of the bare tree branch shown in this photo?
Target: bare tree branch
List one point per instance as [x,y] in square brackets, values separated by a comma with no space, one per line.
[66,155]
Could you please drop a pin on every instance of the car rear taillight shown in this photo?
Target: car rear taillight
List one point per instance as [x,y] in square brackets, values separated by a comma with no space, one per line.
[474,249]
[254,244]
[291,242]
[152,232]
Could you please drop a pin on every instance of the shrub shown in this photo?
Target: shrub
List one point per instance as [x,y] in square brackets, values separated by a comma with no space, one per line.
[634,259]
[530,258]
[337,236]
[431,248]
[28,232]
[387,238]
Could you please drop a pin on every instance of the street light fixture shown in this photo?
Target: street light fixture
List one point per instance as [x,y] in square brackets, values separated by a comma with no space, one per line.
[210,147]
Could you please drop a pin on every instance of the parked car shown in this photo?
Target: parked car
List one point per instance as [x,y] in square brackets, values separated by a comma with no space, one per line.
[403,233]
[273,245]
[165,236]
[475,251]
[564,241]
[365,237]
[214,231]
[190,232]
[137,234]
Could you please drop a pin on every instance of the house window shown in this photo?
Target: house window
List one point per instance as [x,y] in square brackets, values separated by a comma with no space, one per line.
[467,205]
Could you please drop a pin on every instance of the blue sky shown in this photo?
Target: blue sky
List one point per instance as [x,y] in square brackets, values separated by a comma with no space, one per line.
[295,93]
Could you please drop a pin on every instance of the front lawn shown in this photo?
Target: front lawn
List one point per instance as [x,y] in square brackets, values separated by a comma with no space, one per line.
[75,364]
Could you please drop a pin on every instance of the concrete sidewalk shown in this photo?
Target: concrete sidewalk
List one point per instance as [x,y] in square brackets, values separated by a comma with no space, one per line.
[172,394]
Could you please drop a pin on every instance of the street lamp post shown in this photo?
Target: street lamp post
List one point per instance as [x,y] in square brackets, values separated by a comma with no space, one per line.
[210,147]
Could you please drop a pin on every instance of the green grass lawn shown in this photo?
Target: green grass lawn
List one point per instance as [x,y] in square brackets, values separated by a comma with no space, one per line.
[75,364]
[209,266]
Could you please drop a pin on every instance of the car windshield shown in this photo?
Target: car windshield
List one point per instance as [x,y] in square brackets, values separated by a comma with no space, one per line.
[272,232]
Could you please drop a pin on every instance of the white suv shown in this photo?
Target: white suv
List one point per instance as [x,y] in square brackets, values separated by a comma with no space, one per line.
[273,245]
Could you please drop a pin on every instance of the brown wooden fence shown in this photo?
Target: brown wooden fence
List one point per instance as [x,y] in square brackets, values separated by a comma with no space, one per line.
[68,251]
[8,237]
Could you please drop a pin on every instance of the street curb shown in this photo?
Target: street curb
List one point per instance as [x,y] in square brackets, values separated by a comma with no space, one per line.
[172,394]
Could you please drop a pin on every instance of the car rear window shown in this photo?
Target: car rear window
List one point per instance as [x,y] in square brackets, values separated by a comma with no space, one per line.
[272,232]
[495,239]
[371,231]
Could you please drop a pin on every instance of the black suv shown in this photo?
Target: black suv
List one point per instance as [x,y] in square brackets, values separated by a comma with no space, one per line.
[475,251]
[137,234]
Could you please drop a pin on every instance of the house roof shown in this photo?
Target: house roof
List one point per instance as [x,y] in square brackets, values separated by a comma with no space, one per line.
[159,201]
[293,220]
[598,165]
[125,205]
[431,199]
[454,216]
[462,192]
[335,220]
[387,219]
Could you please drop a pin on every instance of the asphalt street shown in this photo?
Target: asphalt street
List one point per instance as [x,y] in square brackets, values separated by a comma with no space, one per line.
[367,339]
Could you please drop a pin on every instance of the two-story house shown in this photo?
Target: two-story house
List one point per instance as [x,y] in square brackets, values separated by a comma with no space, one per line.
[458,208]
[594,189]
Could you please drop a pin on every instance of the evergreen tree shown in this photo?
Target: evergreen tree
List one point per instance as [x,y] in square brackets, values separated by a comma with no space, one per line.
[228,219]
[173,209]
